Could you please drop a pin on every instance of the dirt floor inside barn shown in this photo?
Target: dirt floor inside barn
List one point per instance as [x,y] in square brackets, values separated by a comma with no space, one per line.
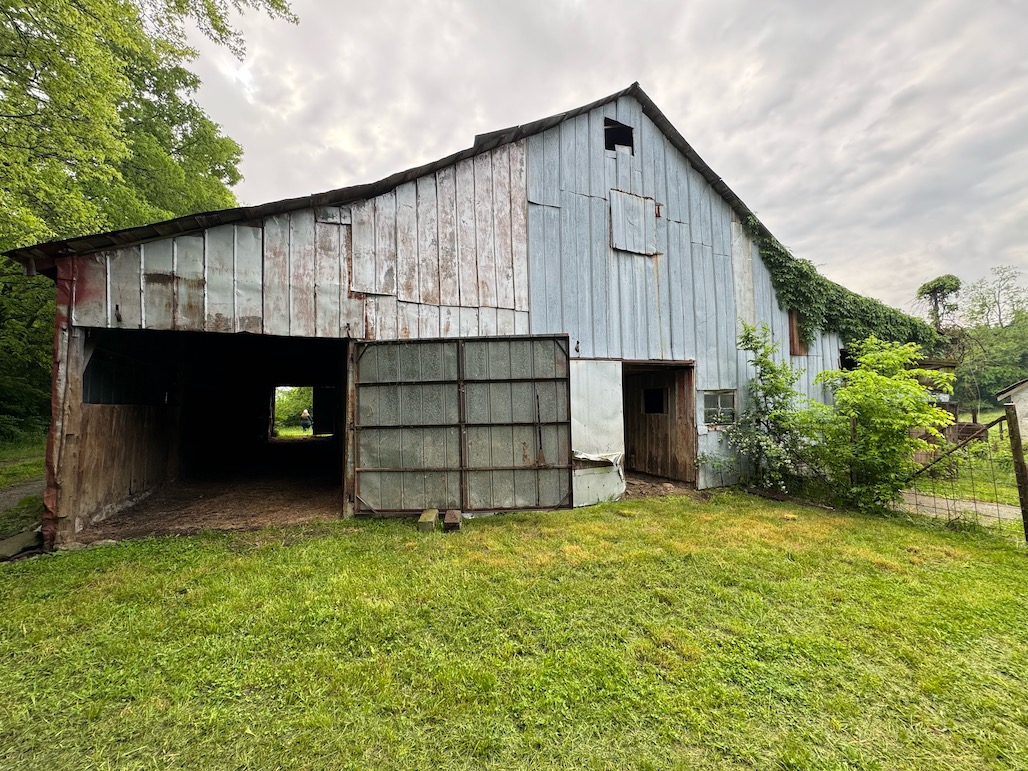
[185,508]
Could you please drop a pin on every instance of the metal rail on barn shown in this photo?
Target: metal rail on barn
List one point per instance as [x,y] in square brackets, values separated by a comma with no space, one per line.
[980,480]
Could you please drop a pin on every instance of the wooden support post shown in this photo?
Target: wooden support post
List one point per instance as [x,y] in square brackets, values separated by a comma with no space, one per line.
[349,440]
[1020,470]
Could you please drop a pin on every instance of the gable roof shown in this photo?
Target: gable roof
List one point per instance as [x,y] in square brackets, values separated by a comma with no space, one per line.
[1009,390]
[41,256]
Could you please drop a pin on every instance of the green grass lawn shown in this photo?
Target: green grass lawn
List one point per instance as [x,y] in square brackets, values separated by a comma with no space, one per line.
[738,633]
[22,460]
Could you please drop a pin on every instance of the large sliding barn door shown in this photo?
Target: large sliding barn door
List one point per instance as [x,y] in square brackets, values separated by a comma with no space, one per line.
[478,424]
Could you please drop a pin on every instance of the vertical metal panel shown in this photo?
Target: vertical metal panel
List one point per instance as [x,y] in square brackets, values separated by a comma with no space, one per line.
[363,275]
[597,156]
[551,166]
[449,269]
[484,230]
[583,155]
[428,321]
[408,317]
[158,278]
[449,321]
[469,322]
[249,279]
[552,261]
[583,339]
[329,215]
[124,268]
[89,305]
[351,306]
[428,240]
[522,323]
[385,243]
[599,260]
[537,267]
[487,323]
[699,208]
[568,156]
[742,270]
[328,276]
[502,228]
[276,275]
[726,316]
[189,286]
[467,251]
[568,267]
[505,321]
[220,278]
[407,243]
[302,275]
[386,314]
[519,225]
[535,159]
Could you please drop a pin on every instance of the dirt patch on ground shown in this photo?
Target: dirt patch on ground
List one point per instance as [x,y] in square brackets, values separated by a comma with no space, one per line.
[11,495]
[184,508]
[646,486]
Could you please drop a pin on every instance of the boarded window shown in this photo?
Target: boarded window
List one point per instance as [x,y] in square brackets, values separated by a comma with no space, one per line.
[797,345]
[633,223]
[719,408]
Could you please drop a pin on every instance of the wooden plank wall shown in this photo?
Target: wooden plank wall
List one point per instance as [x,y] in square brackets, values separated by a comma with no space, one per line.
[125,451]
[441,256]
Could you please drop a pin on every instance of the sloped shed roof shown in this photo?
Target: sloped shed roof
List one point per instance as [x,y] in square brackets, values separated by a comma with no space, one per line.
[40,256]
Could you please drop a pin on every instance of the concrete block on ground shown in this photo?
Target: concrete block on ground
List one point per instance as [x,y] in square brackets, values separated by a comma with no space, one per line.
[426,524]
[452,520]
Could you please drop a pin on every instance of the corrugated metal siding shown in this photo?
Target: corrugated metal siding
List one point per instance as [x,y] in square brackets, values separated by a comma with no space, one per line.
[403,264]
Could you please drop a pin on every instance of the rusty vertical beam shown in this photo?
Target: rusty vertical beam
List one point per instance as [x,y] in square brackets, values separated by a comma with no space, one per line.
[1020,470]
[349,419]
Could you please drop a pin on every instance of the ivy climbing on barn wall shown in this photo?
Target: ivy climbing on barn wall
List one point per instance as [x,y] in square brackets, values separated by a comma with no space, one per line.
[823,305]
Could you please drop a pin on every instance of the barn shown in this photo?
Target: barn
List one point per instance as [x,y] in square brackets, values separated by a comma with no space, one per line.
[511,327]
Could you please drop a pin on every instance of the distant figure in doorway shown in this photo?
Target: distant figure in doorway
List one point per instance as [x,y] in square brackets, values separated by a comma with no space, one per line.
[306,421]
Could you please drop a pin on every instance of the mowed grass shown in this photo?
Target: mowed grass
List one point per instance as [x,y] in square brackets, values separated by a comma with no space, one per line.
[20,461]
[666,633]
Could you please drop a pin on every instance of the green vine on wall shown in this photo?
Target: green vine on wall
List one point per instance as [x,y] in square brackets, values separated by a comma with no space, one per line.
[824,306]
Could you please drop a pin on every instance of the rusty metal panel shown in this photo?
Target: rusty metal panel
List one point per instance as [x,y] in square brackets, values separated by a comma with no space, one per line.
[89,305]
[467,252]
[219,269]
[249,279]
[449,269]
[385,243]
[428,241]
[302,274]
[484,244]
[407,243]
[363,271]
[351,304]
[480,424]
[276,275]
[125,304]
[502,228]
[189,288]
[327,279]
[519,224]
[158,282]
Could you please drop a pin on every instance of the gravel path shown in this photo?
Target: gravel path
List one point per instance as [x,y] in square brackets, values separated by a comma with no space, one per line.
[11,495]
[938,506]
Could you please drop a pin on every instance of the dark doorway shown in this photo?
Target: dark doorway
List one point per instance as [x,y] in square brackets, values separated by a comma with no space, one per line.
[660,421]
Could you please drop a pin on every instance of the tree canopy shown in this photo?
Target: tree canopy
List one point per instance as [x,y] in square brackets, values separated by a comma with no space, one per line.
[99,130]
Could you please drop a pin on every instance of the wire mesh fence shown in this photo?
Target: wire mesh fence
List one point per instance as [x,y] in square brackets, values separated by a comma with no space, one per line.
[972,481]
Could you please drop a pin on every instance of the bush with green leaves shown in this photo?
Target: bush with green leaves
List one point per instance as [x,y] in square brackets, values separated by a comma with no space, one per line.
[883,413]
[766,433]
[859,451]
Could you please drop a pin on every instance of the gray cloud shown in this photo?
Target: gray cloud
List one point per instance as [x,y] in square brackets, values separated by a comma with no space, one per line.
[887,142]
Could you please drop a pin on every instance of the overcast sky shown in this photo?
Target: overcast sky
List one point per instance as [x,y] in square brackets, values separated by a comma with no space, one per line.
[885,141]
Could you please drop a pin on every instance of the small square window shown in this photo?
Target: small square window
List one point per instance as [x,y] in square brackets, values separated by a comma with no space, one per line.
[618,137]
[655,401]
[719,408]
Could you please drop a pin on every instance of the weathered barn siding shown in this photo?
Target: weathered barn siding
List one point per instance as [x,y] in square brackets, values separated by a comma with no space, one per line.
[445,255]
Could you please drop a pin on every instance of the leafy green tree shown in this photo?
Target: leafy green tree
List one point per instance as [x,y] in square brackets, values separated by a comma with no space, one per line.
[766,432]
[290,402]
[938,294]
[99,130]
[883,413]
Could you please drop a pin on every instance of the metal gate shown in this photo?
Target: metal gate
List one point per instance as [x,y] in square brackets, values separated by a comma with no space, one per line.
[480,424]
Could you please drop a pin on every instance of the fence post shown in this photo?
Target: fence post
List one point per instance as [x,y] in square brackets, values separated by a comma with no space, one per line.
[1020,471]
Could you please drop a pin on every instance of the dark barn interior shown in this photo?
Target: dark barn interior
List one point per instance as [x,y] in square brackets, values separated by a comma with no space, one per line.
[199,408]
[660,423]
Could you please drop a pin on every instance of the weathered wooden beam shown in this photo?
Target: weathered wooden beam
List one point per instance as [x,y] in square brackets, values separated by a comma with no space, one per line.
[1020,470]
